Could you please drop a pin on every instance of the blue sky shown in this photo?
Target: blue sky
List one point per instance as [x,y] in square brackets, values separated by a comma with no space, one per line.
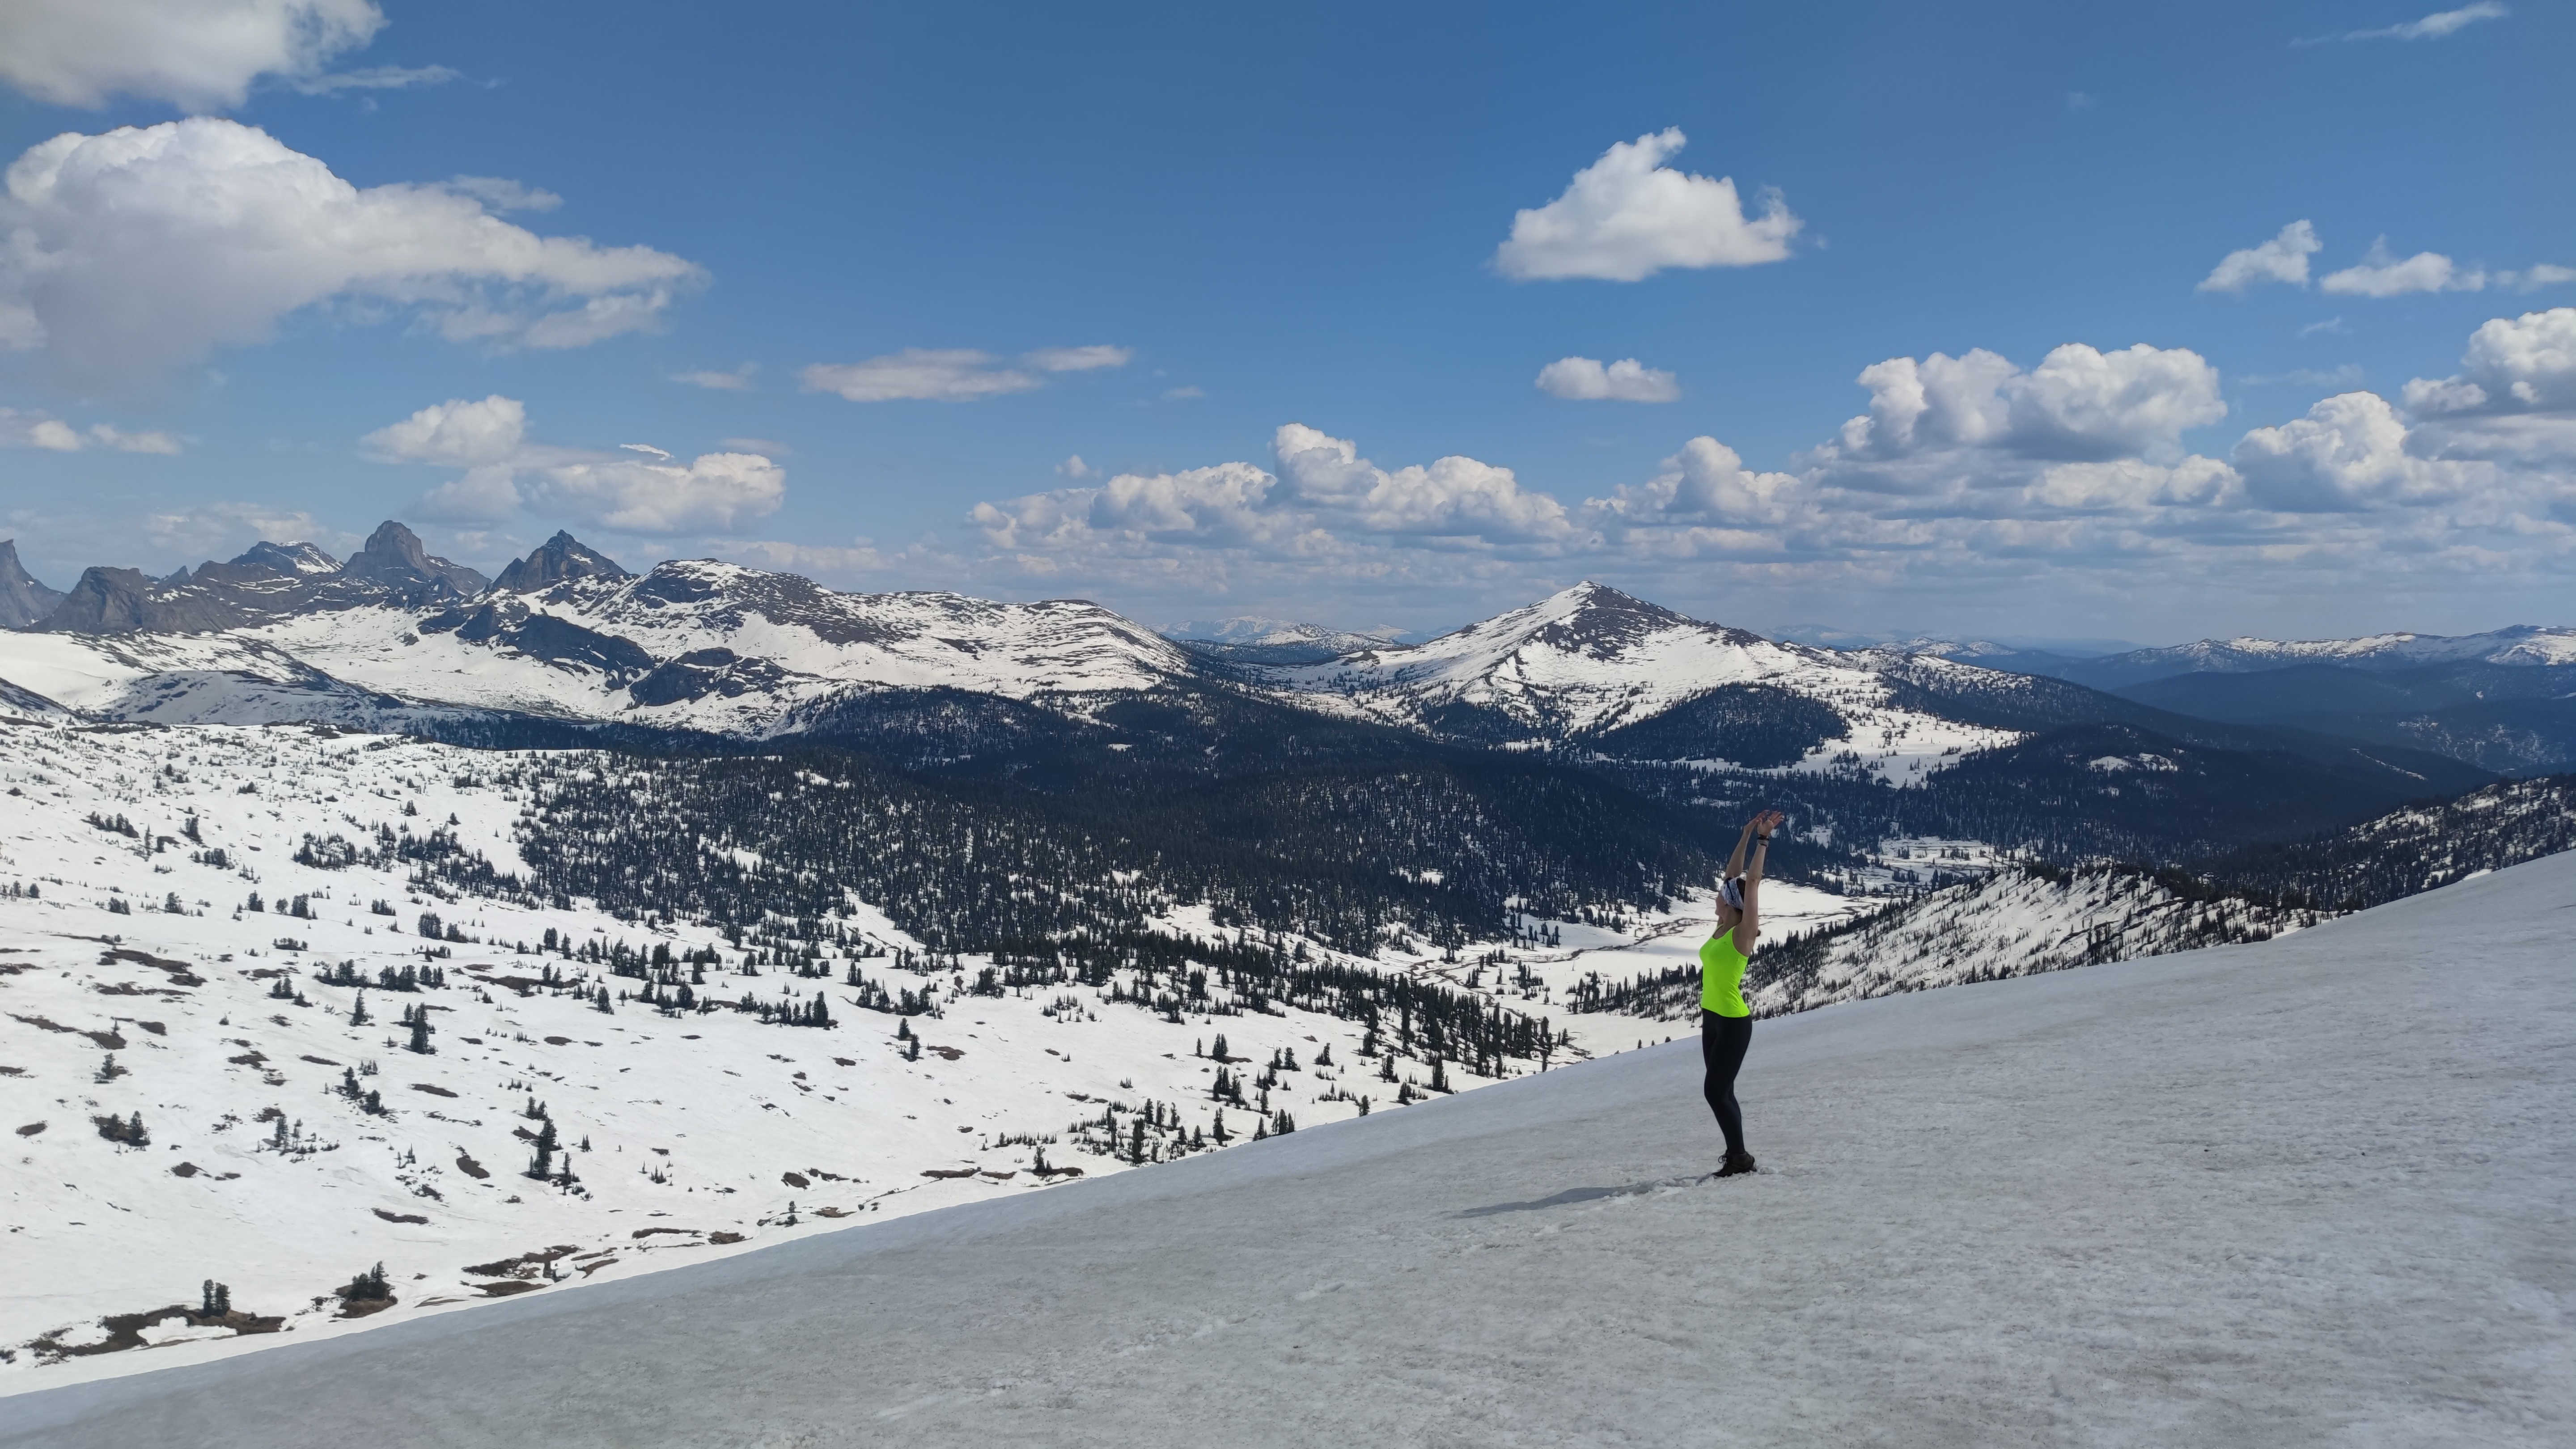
[1250,267]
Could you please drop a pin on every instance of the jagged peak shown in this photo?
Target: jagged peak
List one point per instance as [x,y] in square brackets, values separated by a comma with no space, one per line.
[559,559]
[295,560]
[393,554]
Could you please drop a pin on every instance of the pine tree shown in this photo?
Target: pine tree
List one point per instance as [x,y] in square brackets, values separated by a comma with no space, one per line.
[543,1165]
[420,1032]
[358,1013]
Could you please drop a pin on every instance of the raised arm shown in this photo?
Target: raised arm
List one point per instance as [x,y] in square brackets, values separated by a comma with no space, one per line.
[1735,862]
[1758,833]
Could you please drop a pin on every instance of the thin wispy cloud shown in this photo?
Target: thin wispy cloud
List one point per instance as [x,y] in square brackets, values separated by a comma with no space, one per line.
[378,78]
[2440,25]
[738,380]
[953,374]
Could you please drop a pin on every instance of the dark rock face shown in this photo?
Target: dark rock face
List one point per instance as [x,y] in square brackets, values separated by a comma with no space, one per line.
[395,559]
[105,601]
[1610,621]
[123,601]
[560,558]
[702,672]
[23,601]
[510,624]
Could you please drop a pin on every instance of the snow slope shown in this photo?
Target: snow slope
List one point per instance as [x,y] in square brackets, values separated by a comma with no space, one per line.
[2208,1198]
[186,678]
[701,1123]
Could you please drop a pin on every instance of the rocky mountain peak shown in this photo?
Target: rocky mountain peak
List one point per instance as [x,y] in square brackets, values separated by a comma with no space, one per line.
[394,558]
[23,601]
[105,601]
[558,560]
[1596,621]
[293,560]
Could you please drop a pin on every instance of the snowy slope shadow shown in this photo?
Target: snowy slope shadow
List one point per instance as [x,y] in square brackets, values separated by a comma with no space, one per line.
[2311,1192]
[1572,1195]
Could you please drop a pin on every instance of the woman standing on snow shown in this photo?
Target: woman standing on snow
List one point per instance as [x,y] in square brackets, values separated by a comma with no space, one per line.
[1725,1022]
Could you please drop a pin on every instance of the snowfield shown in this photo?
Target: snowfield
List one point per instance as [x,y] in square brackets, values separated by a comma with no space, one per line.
[678,1127]
[2307,1192]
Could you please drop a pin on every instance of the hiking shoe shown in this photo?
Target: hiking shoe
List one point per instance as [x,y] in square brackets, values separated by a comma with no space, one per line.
[1736,1163]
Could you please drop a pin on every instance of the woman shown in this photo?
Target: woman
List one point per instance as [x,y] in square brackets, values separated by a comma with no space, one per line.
[1725,1022]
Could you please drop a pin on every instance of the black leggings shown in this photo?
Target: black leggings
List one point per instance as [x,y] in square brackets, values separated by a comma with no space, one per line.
[1722,1040]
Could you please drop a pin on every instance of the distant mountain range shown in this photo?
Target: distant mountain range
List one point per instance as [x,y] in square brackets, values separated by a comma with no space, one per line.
[396,638]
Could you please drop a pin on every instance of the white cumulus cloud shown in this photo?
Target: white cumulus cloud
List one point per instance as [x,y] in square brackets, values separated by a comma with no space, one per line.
[2513,364]
[718,491]
[1587,379]
[1969,477]
[2078,403]
[142,249]
[1628,216]
[1708,480]
[455,431]
[504,472]
[2282,259]
[195,54]
[2349,452]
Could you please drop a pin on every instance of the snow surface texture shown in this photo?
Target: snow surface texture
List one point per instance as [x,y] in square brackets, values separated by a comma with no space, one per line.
[697,1124]
[2308,1192]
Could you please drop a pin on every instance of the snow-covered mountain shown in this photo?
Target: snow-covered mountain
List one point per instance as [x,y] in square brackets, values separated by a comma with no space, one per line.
[397,638]
[1596,667]
[283,633]
[2520,646]
[1260,642]
[1254,630]
[397,635]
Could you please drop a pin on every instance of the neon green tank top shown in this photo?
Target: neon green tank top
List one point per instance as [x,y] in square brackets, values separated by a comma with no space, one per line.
[1721,976]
